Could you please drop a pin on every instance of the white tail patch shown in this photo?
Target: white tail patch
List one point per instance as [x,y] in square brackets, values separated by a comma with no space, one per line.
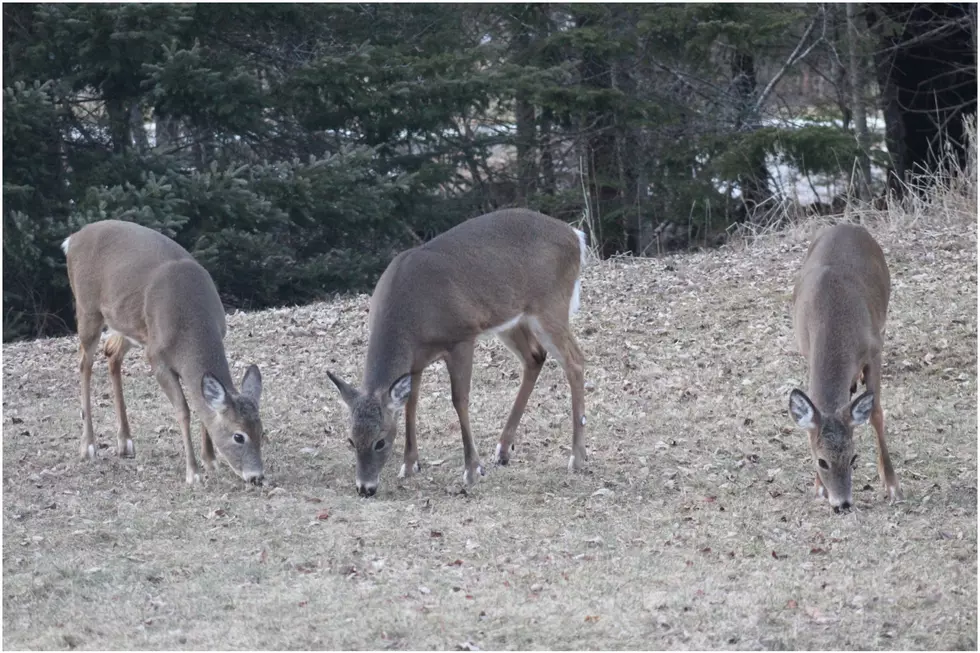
[576,300]
[64,245]
[582,246]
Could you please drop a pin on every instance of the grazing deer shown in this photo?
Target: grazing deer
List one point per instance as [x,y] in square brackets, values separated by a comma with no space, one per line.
[150,292]
[512,273]
[839,307]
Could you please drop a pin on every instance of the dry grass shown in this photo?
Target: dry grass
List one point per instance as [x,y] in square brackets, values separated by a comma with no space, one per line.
[693,528]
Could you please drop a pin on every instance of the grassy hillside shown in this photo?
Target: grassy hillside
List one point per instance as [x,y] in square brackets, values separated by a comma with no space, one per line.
[694,526]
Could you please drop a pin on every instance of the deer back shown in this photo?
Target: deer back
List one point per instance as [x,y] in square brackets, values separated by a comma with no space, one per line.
[472,279]
[840,303]
[149,289]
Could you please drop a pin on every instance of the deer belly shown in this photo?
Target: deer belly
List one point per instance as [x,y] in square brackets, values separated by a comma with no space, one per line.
[130,339]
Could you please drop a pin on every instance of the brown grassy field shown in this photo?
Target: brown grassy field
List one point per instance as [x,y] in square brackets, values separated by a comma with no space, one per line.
[693,528]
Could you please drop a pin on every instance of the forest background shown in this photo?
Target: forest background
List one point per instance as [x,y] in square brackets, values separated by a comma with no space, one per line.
[294,149]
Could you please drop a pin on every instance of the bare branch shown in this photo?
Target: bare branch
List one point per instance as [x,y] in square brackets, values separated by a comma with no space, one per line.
[794,57]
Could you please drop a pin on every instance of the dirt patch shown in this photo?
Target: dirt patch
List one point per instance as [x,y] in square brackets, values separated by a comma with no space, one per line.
[693,528]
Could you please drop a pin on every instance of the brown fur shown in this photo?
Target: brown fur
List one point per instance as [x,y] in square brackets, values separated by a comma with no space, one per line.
[433,301]
[840,304]
[148,290]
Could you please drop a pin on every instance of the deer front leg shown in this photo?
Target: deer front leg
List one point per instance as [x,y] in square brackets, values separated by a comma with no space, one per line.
[170,383]
[872,374]
[411,466]
[208,459]
[460,366]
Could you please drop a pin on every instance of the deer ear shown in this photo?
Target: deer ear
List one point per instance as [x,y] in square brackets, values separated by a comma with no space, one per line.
[214,393]
[861,408]
[252,383]
[400,391]
[347,393]
[802,410]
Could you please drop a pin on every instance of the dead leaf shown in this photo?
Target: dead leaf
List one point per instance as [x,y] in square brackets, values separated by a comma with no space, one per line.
[435,533]
[791,604]
[323,515]
[591,618]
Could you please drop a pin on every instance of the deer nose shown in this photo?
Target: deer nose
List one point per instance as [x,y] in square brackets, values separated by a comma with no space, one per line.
[366,490]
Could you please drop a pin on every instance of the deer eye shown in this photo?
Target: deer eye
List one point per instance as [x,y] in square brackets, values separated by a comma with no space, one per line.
[854,460]
[350,442]
[379,445]
[823,463]
[239,438]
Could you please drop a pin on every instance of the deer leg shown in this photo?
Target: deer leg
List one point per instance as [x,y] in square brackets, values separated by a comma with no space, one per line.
[208,459]
[818,489]
[410,465]
[170,383]
[460,366]
[115,350]
[521,341]
[872,377]
[89,327]
[557,338]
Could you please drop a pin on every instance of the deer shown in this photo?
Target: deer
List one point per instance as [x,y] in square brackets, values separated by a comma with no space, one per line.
[840,302]
[150,292]
[513,274]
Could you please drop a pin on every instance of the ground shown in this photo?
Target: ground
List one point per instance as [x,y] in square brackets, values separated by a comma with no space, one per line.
[694,526]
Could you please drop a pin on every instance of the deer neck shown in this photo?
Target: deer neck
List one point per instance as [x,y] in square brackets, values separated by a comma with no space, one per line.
[390,355]
[834,366]
[191,367]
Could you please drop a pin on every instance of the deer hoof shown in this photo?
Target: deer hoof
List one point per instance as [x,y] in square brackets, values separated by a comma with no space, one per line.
[895,494]
[503,454]
[471,476]
[88,452]
[576,463]
[193,478]
[126,449]
[406,471]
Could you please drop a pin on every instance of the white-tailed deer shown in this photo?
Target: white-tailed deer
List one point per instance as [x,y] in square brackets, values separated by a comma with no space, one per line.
[149,291]
[840,303]
[512,273]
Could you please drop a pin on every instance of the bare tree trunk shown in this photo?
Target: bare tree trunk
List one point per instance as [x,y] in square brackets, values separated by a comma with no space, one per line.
[118,125]
[857,103]
[526,168]
[754,182]
[137,128]
[549,183]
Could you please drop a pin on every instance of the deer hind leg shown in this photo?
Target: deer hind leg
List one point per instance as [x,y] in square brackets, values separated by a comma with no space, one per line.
[556,337]
[170,383]
[459,362]
[89,328]
[872,377]
[522,343]
[410,465]
[208,458]
[115,350]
